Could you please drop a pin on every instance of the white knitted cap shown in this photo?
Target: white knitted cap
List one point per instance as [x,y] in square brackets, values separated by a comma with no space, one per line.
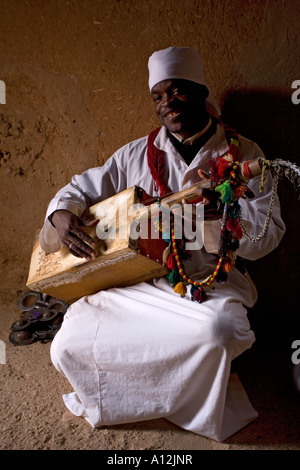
[182,63]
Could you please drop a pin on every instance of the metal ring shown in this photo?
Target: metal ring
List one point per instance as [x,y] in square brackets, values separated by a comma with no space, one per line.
[70,246]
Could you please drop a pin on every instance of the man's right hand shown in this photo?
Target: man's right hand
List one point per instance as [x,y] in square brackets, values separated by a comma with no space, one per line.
[70,231]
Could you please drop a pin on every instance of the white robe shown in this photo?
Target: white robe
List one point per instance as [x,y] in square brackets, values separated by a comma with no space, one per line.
[143,352]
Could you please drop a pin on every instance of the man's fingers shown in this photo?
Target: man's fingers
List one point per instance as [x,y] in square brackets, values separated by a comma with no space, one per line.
[82,236]
[80,249]
[78,226]
[70,229]
[82,244]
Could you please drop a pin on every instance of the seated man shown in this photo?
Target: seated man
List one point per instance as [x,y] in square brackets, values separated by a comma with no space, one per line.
[143,352]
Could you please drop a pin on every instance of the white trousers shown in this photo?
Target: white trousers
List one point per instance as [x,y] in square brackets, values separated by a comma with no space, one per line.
[143,352]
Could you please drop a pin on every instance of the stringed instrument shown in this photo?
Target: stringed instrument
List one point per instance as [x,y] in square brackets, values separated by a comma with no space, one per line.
[122,257]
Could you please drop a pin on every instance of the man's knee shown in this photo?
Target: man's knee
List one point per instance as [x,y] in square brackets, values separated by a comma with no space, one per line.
[228,333]
[59,350]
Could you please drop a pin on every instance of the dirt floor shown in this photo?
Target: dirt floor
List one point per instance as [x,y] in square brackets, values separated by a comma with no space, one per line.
[33,416]
[70,102]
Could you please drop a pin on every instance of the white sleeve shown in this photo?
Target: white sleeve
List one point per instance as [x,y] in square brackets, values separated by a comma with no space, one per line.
[83,191]
[253,215]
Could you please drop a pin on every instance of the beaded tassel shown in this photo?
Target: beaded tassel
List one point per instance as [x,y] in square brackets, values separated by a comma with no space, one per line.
[225,176]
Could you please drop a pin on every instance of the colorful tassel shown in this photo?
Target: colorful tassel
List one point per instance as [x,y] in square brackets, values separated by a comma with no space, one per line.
[218,169]
[228,264]
[233,226]
[193,289]
[199,295]
[180,288]
[226,192]
[222,167]
[239,191]
[173,277]
[171,262]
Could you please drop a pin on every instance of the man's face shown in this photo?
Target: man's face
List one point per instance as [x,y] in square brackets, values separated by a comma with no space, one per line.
[180,106]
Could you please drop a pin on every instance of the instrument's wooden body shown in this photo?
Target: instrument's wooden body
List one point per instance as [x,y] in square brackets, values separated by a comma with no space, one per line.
[119,261]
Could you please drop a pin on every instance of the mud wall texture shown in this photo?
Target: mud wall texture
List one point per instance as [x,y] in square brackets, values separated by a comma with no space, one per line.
[76,90]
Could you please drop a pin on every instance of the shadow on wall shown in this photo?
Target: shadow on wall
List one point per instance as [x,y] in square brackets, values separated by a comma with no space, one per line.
[271,119]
